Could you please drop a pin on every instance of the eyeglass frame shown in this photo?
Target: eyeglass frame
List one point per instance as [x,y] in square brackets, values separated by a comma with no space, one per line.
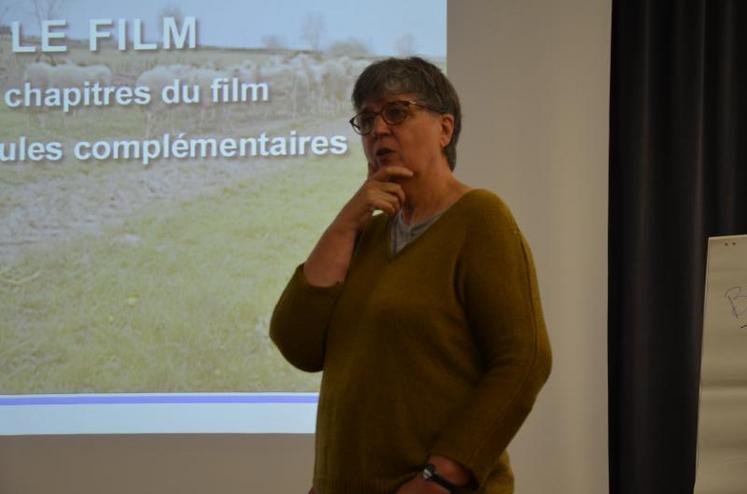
[375,114]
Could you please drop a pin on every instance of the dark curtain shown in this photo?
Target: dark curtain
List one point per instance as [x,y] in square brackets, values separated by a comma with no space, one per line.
[678,174]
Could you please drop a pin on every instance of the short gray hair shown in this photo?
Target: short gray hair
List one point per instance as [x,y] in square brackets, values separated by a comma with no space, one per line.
[411,75]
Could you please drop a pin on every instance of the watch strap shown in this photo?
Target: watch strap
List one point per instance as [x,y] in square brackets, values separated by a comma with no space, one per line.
[430,475]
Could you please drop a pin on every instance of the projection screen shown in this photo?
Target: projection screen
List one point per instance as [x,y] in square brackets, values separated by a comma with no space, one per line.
[164,167]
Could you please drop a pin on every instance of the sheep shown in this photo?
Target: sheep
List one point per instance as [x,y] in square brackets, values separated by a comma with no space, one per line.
[43,76]
[313,72]
[204,77]
[356,67]
[38,74]
[155,80]
[336,84]
[281,80]
[316,83]
[98,73]
[245,72]
[301,96]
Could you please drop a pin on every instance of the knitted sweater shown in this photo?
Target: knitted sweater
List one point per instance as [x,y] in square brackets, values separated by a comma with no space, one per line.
[438,349]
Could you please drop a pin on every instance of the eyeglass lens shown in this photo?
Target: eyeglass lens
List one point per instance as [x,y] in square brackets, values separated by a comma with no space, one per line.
[393,113]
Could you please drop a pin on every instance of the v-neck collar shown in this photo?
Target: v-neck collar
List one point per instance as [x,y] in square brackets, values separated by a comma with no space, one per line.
[441,218]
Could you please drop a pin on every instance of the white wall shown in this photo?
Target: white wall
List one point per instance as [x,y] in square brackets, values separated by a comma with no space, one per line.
[154,464]
[533,77]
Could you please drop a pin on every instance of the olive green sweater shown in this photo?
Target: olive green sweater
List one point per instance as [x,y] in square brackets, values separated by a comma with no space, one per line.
[438,349]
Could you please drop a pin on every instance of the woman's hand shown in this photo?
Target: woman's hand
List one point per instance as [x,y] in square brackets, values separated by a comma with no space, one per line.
[418,485]
[328,263]
[312,490]
[447,468]
[379,191]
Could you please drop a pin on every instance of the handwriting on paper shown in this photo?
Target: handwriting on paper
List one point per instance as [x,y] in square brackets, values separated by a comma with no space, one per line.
[737,298]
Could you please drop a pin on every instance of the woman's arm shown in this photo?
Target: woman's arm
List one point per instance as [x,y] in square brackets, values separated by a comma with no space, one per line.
[299,321]
[328,263]
[498,286]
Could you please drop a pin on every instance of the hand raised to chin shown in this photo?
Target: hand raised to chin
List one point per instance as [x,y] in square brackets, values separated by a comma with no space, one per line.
[377,192]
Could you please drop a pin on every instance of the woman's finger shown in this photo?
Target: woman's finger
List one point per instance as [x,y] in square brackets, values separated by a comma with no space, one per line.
[375,193]
[389,203]
[370,191]
[386,173]
[373,187]
[394,188]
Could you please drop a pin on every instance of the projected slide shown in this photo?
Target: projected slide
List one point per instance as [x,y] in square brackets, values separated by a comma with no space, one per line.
[164,166]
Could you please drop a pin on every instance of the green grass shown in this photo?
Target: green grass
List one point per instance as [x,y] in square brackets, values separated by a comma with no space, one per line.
[86,122]
[185,307]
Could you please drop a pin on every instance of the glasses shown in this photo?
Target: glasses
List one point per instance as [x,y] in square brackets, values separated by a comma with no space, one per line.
[393,113]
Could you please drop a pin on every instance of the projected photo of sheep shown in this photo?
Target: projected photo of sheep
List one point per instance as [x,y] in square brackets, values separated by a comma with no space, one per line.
[163,170]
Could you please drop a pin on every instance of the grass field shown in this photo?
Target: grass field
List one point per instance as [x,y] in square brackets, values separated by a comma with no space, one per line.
[183,307]
[115,277]
[174,290]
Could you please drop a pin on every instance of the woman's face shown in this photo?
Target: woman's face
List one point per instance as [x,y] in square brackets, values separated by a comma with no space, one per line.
[416,143]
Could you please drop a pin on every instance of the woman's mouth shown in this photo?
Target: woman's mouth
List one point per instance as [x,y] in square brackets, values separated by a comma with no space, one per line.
[384,154]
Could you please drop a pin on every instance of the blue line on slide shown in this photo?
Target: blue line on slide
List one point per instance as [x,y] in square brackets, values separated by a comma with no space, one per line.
[156,399]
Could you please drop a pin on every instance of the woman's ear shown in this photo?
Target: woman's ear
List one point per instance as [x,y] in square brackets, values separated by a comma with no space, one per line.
[447,129]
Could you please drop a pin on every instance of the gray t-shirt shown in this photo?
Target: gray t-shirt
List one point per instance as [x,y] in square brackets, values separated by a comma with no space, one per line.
[403,234]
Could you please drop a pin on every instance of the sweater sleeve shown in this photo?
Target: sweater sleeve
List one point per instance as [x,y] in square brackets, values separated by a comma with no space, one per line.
[299,322]
[498,288]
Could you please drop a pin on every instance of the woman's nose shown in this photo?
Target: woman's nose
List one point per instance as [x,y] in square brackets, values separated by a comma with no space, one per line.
[380,126]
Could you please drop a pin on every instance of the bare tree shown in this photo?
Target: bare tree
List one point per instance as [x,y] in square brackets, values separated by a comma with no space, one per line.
[170,10]
[44,10]
[405,45]
[274,42]
[312,30]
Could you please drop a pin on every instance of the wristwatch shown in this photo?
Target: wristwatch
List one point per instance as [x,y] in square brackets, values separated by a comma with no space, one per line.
[429,474]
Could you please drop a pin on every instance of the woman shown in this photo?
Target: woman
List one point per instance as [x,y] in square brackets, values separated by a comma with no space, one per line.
[425,319]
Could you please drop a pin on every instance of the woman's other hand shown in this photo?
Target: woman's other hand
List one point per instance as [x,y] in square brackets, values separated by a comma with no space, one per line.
[449,469]
[418,485]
